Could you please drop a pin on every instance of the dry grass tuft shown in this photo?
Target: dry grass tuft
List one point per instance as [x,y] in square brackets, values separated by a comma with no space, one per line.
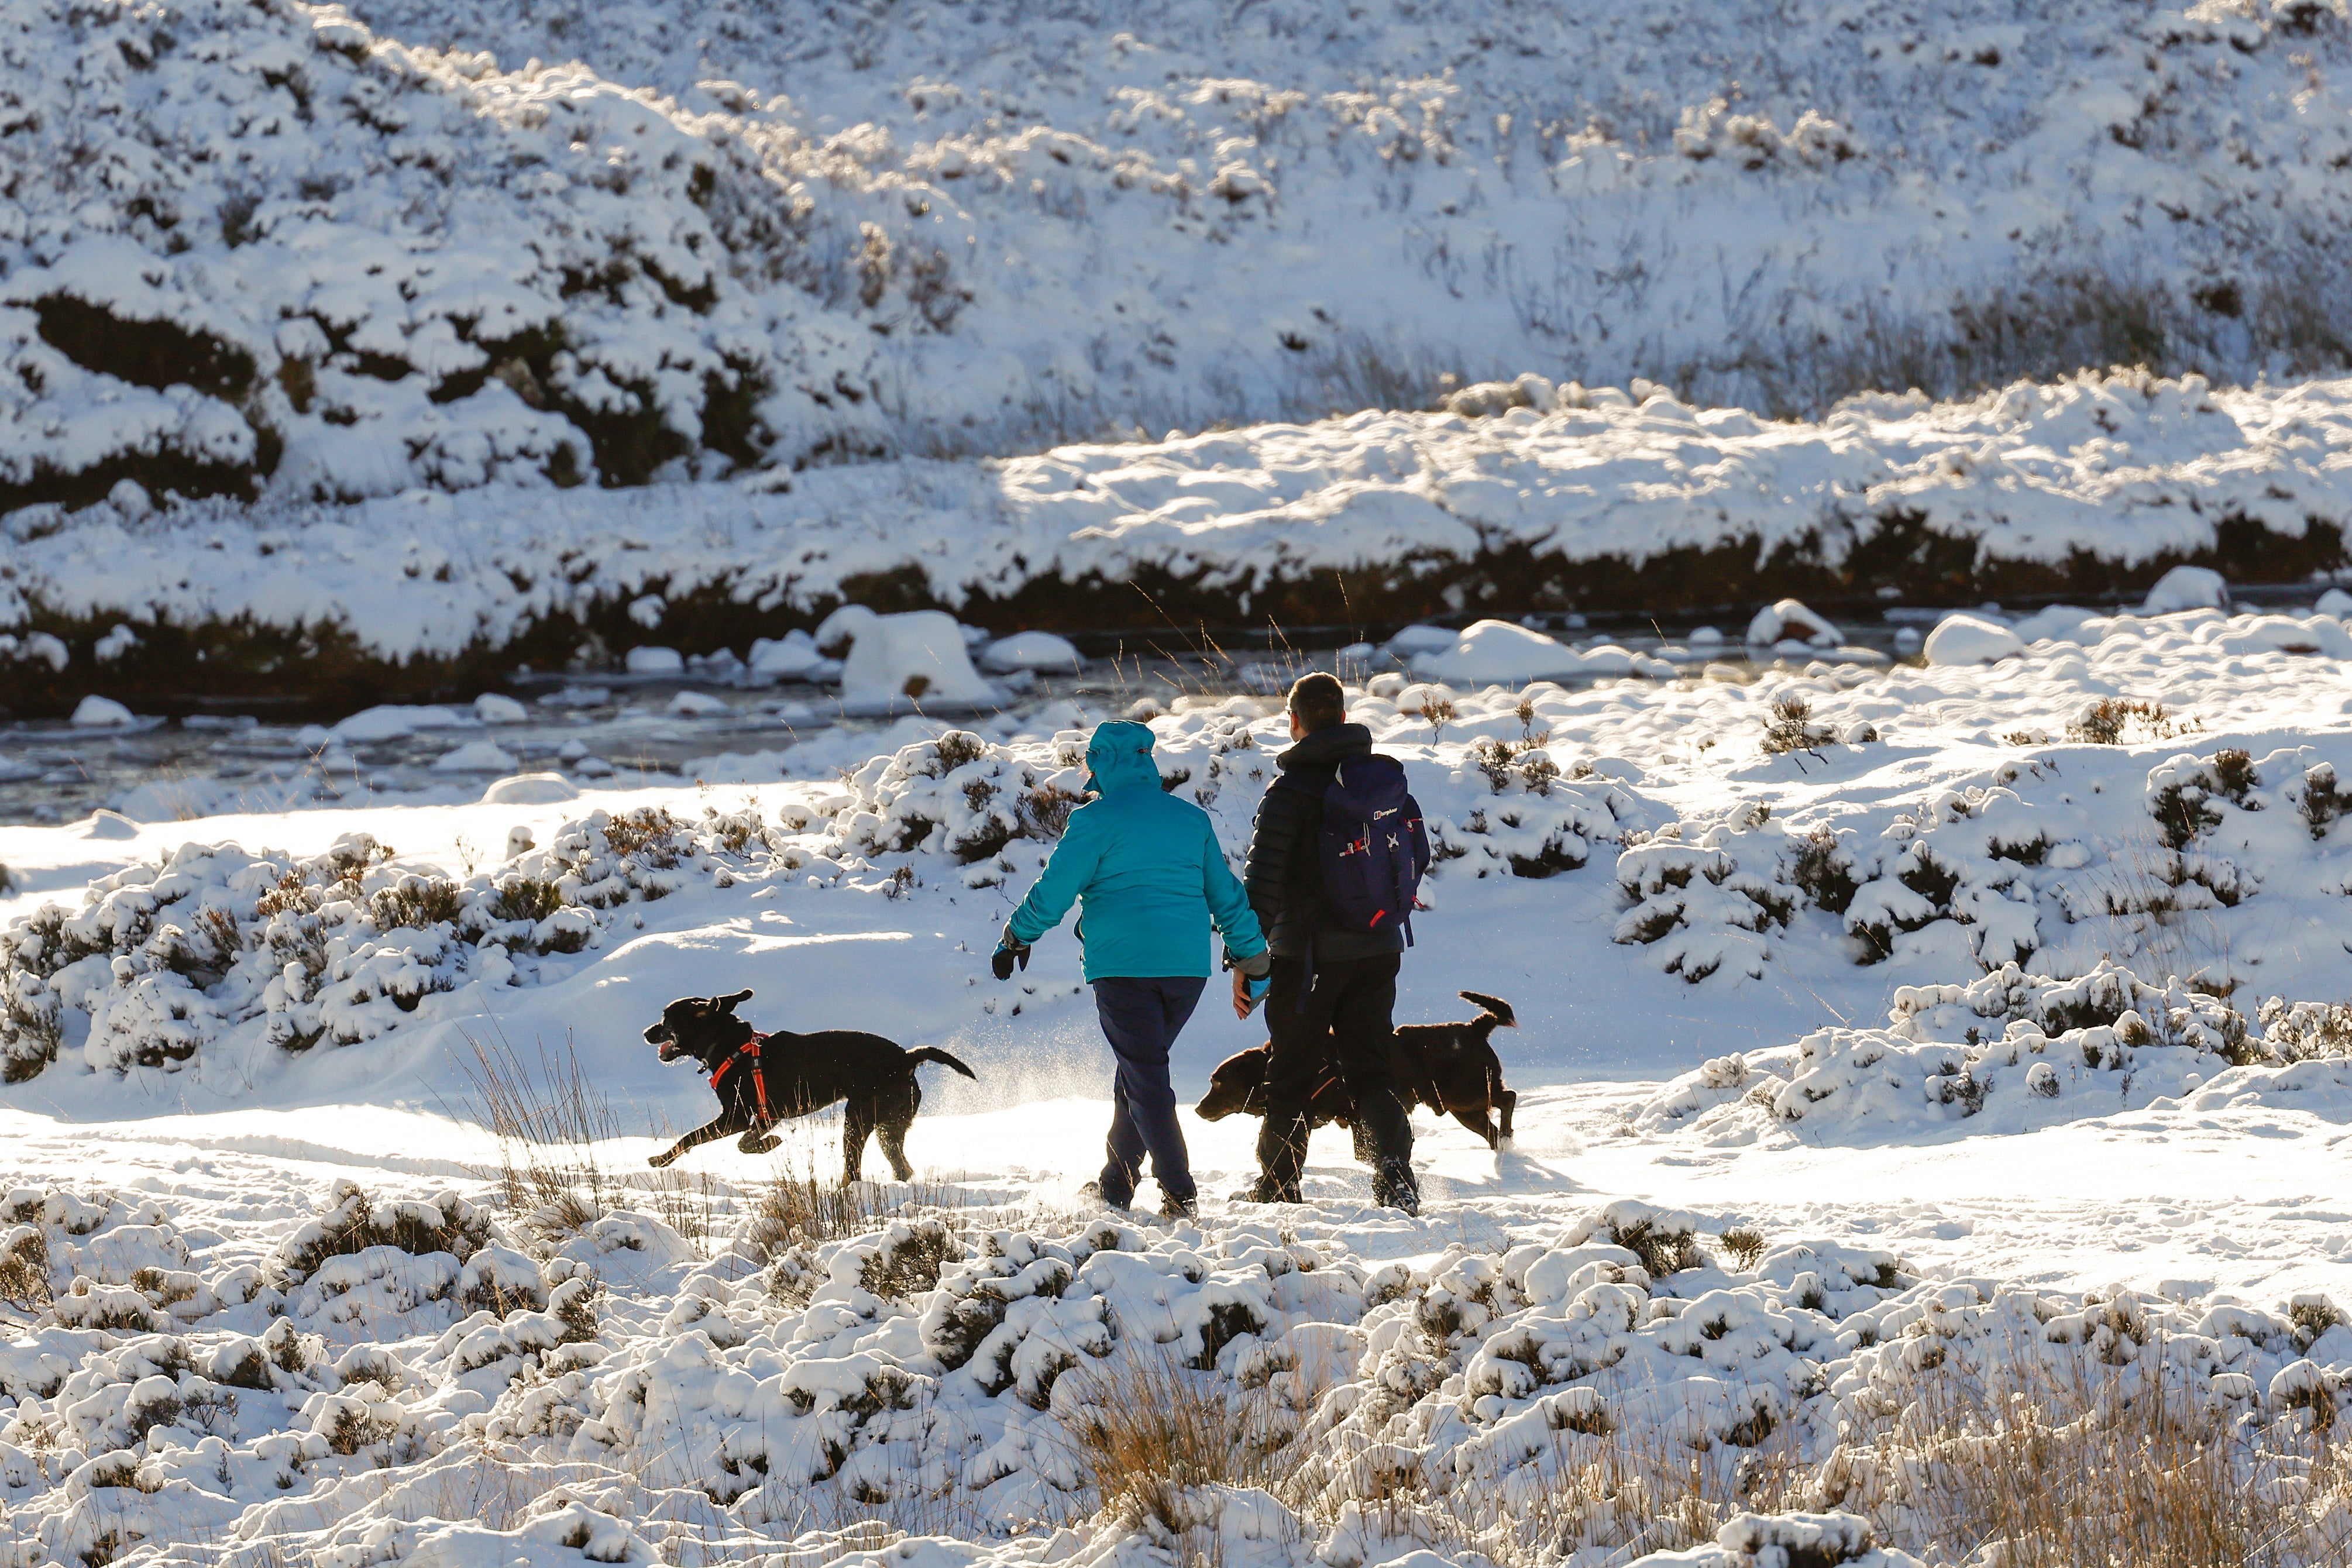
[2048,1471]
[551,1123]
[1149,1429]
[1744,1245]
[2107,722]
[803,1206]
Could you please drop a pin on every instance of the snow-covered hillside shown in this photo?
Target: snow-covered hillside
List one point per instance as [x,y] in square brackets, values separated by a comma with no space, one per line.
[334,253]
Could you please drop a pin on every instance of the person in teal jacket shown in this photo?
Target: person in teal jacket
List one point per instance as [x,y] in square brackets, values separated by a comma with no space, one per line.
[1148,876]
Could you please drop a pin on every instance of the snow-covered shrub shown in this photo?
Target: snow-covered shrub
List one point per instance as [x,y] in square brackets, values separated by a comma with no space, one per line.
[958,795]
[2319,798]
[1614,1350]
[1486,399]
[2298,1031]
[2185,794]
[2020,1049]
[967,1314]
[352,1223]
[1665,1240]
[165,957]
[2105,720]
[1698,906]
[1790,726]
[2108,995]
[626,273]
[911,1254]
[1538,823]
[1971,857]
[1824,871]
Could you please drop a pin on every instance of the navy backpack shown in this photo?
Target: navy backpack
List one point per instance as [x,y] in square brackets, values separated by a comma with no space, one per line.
[1372,846]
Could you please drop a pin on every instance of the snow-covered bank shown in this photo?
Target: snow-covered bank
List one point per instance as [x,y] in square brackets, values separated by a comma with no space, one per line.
[334,251]
[1603,503]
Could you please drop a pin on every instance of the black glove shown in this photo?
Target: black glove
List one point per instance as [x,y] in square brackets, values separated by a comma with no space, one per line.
[1009,949]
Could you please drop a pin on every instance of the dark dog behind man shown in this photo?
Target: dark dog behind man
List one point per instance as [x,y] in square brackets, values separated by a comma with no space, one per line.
[1450,1067]
[762,1079]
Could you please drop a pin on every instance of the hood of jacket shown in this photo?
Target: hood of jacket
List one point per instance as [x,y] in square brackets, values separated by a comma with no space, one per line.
[1120,757]
[1331,744]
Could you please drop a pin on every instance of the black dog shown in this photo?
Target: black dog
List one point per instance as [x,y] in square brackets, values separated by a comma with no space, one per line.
[1450,1067]
[762,1079]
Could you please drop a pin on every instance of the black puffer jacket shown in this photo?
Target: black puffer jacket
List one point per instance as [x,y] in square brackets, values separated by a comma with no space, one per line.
[1285,875]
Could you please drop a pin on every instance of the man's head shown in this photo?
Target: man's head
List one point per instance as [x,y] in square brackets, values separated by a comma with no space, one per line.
[1317,703]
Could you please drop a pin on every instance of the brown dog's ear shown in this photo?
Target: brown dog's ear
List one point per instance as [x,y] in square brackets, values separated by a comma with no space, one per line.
[727,1003]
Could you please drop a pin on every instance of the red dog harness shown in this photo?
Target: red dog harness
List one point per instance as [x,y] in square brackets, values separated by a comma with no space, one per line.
[750,1048]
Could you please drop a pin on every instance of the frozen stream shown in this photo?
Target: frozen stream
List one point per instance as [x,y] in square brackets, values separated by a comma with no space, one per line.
[714,722]
[717,723]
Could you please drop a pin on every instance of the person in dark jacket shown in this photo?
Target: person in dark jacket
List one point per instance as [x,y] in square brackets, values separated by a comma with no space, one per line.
[1150,880]
[1348,976]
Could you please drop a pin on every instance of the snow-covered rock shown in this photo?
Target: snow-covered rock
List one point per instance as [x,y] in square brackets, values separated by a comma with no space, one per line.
[2187,588]
[394,722]
[915,659]
[656,661]
[1789,621]
[793,657]
[1420,639]
[698,705]
[476,757]
[94,712]
[1971,639]
[1031,650]
[1490,653]
[497,707]
[835,634]
[529,789]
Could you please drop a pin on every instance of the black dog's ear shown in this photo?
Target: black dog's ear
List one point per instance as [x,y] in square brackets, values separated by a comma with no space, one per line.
[727,1003]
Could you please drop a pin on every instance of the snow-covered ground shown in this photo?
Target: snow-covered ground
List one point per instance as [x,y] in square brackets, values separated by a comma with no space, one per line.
[2001,1001]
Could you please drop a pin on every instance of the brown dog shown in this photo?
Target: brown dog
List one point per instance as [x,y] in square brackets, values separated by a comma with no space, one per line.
[1450,1067]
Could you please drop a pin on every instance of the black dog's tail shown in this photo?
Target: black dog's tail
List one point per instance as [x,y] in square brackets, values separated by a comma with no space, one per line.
[923,1053]
[1497,1008]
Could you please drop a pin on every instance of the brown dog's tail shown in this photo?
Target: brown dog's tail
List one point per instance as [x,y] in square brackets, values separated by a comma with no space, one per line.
[923,1053]
[1497,1008]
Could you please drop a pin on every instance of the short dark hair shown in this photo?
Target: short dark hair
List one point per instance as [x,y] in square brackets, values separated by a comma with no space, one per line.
[1318,700]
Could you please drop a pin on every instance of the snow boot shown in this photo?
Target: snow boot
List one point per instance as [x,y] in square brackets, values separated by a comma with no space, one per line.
[1092,1194]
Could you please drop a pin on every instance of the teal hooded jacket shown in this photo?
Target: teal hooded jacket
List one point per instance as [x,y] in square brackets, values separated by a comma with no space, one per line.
[1145,868]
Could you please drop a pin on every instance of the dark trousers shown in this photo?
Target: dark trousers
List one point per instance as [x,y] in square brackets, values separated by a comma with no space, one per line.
[1346,1023]
[1142,1018]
